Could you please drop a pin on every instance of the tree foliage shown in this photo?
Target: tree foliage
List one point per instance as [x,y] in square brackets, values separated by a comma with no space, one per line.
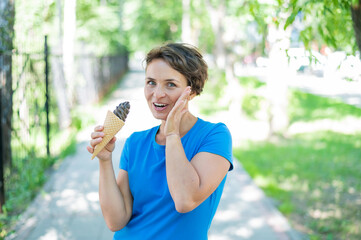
[329,22]
[107,26]
[324,22]
[99,26]
[149,23]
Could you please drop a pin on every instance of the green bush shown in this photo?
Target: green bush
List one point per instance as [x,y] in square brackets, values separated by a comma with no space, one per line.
[251,102]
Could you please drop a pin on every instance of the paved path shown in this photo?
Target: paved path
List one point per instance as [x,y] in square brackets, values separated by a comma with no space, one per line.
[68,206]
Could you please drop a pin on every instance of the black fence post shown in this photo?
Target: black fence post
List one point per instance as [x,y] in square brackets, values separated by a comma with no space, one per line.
[2,182]
[46,52]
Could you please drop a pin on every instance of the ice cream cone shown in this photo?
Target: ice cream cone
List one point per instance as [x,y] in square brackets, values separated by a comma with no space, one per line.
[112,125]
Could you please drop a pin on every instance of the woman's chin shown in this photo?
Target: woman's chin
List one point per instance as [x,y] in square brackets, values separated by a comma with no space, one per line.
[161,117]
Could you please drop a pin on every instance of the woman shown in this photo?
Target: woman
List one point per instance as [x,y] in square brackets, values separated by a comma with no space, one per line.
[171,176]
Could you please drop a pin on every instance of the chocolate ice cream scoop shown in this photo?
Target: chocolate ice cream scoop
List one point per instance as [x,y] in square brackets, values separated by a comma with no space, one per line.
[122,110]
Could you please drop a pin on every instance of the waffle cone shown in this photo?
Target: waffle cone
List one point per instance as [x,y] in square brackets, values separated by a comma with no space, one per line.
[112,125]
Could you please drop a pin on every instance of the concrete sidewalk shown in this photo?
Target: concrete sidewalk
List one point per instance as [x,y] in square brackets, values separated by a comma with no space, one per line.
[68,206]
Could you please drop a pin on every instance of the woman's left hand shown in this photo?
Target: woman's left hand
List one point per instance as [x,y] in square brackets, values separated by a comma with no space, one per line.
[175,115]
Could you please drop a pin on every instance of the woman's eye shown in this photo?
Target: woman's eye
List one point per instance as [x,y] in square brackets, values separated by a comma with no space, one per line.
[150,82]
[170,84]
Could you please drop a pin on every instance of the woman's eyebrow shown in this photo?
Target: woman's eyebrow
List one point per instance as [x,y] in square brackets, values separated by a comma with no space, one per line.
[167,80]
[172,80]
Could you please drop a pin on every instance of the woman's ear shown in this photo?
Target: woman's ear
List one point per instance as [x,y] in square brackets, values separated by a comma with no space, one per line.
[192,95]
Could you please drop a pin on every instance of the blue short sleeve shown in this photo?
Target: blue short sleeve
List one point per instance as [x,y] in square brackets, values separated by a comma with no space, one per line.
[219,141]
[123,164]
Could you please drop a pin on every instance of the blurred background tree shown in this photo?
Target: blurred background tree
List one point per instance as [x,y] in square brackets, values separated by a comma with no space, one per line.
[100,26]
[231,33]
[317,25]
[336,24]
[6,46]
[114,26]
[149,23]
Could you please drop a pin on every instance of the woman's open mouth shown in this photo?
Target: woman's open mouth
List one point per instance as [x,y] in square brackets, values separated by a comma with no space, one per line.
[160,106]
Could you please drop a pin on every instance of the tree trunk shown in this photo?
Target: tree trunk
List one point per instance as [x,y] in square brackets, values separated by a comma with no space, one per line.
[356,19]
[278,74]
[60,20]
[121,9]
[217,15]
[64,118]
[68,48]
[225,61]
[6,45]
[186,22]
[59,83]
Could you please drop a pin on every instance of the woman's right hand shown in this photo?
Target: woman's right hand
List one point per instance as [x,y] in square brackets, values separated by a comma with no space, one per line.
[96,137]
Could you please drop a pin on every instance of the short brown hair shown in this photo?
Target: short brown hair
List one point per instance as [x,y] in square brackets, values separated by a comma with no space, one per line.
[184,58]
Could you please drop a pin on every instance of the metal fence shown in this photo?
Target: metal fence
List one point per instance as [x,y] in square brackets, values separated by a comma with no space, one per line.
[30,105]
[35,103]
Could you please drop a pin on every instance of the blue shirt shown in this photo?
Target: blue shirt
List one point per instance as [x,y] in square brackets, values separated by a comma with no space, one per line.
[154,215]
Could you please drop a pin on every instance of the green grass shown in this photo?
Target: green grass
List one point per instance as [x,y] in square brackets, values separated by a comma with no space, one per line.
[314,178]
[28,174]
[251,82]
[308,107]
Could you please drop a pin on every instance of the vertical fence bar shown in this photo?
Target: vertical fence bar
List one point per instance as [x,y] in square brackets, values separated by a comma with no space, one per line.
[46,52]
[2,182]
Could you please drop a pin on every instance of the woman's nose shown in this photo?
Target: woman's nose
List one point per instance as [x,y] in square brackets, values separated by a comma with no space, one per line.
[159,92]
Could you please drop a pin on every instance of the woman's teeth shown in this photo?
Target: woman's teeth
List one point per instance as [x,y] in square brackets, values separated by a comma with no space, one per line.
[159,105]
